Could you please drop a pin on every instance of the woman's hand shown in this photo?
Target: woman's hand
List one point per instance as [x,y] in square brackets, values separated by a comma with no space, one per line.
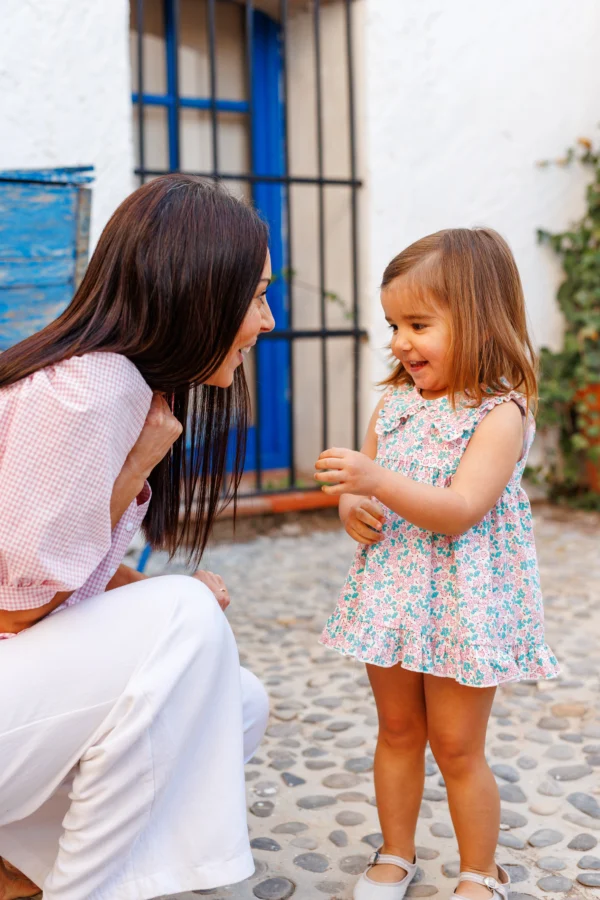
[216,584]
[161,430]
[347,472]
[364,521]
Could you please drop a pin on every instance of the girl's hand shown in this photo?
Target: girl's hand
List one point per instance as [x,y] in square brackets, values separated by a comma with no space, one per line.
[161,430]
[216,584]
[364,521]
[347,472]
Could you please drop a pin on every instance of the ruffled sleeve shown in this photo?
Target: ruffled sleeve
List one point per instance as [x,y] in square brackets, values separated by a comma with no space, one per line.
[66,432]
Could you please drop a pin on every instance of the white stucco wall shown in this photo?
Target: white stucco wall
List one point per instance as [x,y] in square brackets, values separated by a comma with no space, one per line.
[65,96]
[462,99]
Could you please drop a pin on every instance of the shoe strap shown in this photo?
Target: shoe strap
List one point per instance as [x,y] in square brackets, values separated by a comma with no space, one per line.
[491,883]
[387,859]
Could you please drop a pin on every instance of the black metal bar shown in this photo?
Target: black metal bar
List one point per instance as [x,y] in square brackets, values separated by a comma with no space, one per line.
[314,333]
[140,86]
[212,44]
[354,220]
[283,16]
[321,225]
[267,179]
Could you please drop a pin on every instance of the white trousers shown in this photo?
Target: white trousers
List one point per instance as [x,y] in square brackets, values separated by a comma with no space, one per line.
[124,725]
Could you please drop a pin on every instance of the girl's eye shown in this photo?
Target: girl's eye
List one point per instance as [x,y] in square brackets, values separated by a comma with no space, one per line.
[393,328]
[418,326]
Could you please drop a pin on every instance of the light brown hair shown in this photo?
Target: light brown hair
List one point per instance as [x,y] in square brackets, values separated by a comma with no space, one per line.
[472,273]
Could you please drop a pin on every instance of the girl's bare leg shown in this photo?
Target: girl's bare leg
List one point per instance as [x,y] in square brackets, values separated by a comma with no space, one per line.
[457,718]
[399,762]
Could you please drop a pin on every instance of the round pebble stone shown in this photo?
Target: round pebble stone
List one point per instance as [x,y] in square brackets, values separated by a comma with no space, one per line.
[339,838]
[585,803]
[589,879]
[315,718]
[551,864]
[251,776]
[553,723]
[538,736]
[560,751]
[589,748]
[305,843]
[312,862]
[545,837]
[427,853]
[557,883]
[517,873]
[506,751]
[527,762]
[262,808]
[289,828]
[440,829]
[321,734]
[425,811]
[352,797]
[354,865]
[314,752]
[349,743]
[544,808]
[359,765]
[265,843]
[421,890]
[317,765]
[348,817]
[506,839]
[283,729]
[549,788]
[434,795]
[518,895]
[374,840]
[569,710]
[274,889]
[593,729]
[292,780]
[316,801]
[589,862]
[328,702]
[265,788]
[571,737]
[583,842]
[506,736]
[570,773]
[339,726]
[512,793]
[431,768]
[330,887]
[451,869]
[340,781]
[506,772]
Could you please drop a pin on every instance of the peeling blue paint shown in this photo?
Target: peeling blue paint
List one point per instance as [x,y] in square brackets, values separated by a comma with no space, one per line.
[44,237]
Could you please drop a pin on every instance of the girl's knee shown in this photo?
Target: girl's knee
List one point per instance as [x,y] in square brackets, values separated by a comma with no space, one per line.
[403,733]
[455,754]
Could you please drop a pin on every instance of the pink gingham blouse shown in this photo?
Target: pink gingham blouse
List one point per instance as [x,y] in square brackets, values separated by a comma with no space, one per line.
[65,432]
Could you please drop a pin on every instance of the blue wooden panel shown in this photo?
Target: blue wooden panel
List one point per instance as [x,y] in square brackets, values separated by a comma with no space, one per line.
[26,310]
[44,225]
[269,159]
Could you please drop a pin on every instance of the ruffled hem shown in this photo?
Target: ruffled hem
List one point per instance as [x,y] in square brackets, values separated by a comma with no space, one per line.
[473,666]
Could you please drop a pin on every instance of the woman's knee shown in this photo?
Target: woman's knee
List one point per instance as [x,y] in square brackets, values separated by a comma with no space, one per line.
[255,708]
[194,607]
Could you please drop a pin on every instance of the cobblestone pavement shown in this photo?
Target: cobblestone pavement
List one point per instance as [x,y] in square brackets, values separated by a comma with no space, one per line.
[312,816]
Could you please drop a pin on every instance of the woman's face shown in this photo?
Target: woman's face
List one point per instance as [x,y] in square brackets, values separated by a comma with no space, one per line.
[258,320]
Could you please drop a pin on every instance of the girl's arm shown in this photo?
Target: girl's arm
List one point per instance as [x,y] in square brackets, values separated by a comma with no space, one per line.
[482,476]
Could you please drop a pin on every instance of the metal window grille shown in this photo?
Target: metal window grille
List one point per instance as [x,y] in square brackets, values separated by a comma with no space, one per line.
[267,108]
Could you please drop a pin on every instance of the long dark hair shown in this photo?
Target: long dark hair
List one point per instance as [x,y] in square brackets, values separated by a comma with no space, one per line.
[168,286]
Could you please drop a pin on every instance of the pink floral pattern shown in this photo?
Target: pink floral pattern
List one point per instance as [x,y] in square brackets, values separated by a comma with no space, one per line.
[467,607]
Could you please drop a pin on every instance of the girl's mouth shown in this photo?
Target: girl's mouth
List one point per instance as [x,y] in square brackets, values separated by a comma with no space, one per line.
[416,366]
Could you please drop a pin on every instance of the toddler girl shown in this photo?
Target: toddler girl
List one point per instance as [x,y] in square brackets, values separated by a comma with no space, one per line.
[443,599]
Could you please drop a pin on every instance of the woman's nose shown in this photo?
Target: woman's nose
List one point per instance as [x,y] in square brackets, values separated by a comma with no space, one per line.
[267,322]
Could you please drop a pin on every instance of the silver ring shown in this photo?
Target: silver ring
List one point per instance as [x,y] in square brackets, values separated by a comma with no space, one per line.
[222,590]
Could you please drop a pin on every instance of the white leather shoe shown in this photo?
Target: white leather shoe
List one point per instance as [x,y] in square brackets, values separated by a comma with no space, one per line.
[367,889]
[498,889]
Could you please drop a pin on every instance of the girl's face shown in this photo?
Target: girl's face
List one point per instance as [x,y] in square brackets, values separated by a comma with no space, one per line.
[258,320]
[420,337]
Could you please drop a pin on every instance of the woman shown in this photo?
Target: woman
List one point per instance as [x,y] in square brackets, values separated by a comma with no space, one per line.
[124,714]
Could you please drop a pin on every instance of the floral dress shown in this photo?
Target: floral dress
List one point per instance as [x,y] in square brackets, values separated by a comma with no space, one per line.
[466,607]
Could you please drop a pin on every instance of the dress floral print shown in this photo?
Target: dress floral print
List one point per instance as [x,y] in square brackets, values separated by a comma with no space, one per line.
[467,607]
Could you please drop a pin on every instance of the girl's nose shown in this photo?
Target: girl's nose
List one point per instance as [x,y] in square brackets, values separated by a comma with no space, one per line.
[401,342]
[267,322]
